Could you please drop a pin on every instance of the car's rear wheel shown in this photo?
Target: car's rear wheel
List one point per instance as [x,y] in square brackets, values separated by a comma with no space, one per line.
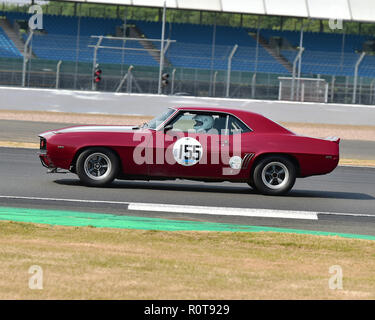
[274,175]
[97,167]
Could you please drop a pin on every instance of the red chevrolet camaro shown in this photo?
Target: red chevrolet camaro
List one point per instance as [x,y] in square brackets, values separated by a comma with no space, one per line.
[204,144]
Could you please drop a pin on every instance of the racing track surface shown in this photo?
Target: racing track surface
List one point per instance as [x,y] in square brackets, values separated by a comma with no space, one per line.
[348,191]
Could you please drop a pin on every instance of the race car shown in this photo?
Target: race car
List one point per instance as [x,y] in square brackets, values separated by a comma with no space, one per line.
[204,144]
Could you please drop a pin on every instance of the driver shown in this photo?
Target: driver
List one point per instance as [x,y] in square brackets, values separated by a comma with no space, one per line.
[203,123]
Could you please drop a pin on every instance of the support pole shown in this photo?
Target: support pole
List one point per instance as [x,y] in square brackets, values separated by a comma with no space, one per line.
[173,76]
[213,47]
[372,92]
[256,60]
[124,78]
[100,39]
[162,49]
[26,57]
[229,68]
[294,72]
[356,76]
[253,82]
[326,93]
[58,74]
[280,88]
[129,83]
[333,87]
[300,59]
[214,84]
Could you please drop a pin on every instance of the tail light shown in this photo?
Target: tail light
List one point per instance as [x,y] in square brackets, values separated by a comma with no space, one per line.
[43,144]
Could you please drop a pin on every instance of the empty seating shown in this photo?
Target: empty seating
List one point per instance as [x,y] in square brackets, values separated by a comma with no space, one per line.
[7,47]
[69,39]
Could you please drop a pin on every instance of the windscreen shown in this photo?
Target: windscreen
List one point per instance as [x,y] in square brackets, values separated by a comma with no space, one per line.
[154,123]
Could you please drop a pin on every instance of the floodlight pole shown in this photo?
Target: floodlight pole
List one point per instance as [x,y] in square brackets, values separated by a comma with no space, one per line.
[100,39]
[58,74]
[356,76]
[26,57]
[162,49]
[229,68]
[294,72]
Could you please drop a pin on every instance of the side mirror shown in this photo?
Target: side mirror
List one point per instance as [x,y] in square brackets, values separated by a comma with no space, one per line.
[168,127]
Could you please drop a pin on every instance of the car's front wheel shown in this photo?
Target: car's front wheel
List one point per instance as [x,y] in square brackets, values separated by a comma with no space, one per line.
[274,175]
[97,167]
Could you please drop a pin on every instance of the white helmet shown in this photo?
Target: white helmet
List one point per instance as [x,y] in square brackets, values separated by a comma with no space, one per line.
[203,123]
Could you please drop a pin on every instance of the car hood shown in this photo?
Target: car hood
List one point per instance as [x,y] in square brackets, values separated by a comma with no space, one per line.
[78,129]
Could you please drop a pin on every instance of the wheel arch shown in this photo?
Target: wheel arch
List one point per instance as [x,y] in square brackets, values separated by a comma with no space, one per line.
[262,156]
[82,149]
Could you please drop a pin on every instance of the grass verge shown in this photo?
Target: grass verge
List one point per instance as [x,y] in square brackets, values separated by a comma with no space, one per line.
[103,263]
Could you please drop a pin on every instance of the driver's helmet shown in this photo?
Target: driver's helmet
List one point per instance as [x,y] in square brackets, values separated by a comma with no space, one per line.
[203,123]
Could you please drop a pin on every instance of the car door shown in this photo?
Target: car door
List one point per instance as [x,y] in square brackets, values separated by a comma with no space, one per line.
[182,150]
[236,154]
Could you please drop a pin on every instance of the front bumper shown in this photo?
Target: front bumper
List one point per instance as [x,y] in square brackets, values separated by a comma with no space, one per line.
[46,161]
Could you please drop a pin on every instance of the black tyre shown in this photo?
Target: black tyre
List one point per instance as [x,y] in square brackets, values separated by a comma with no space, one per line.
[252,185]
[274,175]
[97,167]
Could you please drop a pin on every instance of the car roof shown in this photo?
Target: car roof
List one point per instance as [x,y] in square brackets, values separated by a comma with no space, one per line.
[254,120]
[213,109]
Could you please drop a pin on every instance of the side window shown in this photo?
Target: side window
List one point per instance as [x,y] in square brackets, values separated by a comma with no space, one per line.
[199,122]
[236,126]
[183,122]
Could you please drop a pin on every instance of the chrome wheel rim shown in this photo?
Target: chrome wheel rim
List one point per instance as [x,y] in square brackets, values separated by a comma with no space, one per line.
[275,175]
[97,166]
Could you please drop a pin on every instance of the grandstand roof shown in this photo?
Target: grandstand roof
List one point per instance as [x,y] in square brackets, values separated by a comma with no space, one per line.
[351,10]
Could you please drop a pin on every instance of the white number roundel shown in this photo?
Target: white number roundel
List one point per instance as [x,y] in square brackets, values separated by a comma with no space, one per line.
[187,151]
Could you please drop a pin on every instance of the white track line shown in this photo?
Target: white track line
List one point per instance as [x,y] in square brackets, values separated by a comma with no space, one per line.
[244,212]
[226,211]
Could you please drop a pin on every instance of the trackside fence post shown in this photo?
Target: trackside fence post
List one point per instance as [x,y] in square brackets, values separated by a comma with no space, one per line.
[173,76]
[356,76]
[230,69]
[294,72]
[58,74]
[26,57]
[214,84]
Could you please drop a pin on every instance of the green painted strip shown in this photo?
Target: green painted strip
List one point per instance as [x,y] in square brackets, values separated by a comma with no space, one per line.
[103,220]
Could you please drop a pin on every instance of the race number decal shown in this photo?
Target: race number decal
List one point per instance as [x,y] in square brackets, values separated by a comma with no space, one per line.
[235,162]
[187,151]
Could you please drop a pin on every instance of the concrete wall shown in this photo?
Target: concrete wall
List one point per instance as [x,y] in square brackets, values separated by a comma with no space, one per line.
[15,98]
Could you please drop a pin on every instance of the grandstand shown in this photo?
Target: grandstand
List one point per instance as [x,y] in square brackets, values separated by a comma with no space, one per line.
[195,54]
[7,47]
